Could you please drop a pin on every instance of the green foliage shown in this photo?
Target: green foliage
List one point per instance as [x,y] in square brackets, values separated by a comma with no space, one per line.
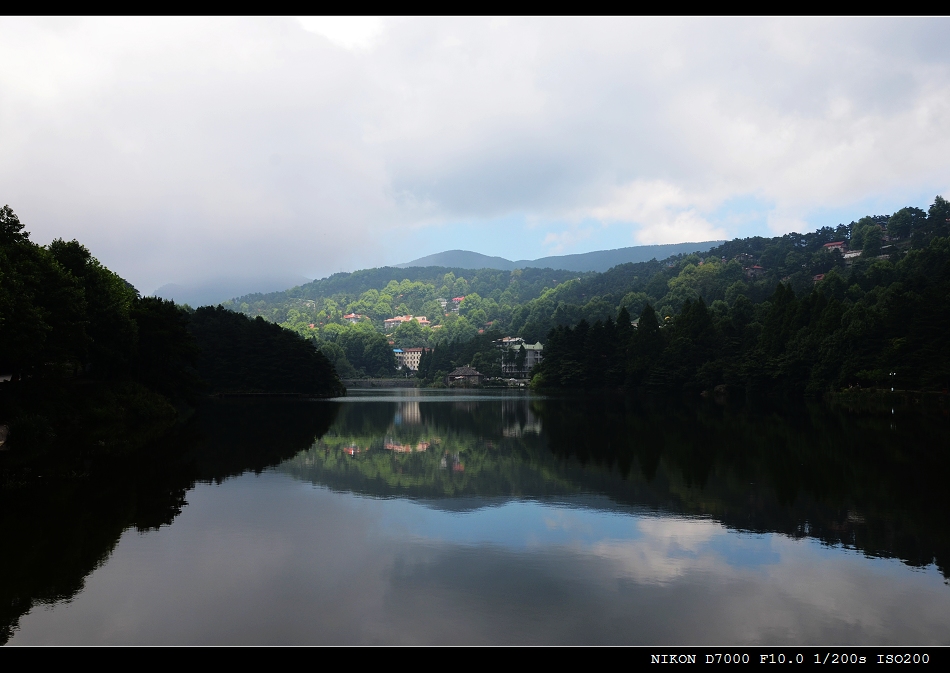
[366,351]
[73,332]
[381,293]
[241,355]
[479,352]
[411,335]
[167,354]
[109,326]
[890,326]
[42,307]
[905,222]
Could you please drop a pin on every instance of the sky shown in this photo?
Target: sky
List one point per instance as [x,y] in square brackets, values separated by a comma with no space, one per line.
[184,149]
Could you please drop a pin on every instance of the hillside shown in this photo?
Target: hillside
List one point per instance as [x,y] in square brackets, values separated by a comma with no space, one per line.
[736,281]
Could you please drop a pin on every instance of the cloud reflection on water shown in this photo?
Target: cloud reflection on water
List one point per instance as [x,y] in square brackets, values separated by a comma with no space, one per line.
[270,560]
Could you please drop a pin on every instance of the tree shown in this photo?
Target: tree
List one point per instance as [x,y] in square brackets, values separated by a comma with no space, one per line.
[238,354]
[166,353]
[872,242]
[409,335]
[938,219]
[108,301]
[905,222]
[520,360]
[42,307]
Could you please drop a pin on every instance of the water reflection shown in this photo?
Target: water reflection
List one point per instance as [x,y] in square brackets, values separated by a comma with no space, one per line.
[60,525]
[491,518]
[875,482]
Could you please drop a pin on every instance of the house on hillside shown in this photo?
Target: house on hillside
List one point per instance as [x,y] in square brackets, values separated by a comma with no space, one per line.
[837,245]
[850,256]
[754,271]
[353,317]
[393,323]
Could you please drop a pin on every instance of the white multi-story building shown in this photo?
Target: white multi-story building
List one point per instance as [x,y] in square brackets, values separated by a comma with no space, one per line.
[409,358]
[511,346]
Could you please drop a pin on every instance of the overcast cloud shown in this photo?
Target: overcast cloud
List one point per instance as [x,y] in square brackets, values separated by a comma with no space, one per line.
[184,149]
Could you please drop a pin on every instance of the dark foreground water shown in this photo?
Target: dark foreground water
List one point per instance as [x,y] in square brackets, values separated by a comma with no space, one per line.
[425,517]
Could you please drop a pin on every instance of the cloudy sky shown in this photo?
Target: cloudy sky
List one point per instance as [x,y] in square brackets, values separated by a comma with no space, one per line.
[185,149]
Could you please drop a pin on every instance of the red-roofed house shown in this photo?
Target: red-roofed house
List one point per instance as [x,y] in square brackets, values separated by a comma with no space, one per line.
[392,323]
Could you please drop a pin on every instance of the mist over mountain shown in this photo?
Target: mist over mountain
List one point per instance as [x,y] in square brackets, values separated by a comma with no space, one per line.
[216,290]
[599,260]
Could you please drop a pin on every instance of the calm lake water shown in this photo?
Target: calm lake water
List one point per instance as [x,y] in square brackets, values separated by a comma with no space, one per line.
[420,517]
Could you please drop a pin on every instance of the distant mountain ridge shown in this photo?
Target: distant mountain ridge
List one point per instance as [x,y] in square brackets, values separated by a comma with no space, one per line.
[599,260]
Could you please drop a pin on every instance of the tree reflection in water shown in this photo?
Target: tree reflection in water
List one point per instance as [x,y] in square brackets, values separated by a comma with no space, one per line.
[870,481]
[62,519]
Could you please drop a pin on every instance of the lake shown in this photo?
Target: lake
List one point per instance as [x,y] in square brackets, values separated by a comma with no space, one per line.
[453,517]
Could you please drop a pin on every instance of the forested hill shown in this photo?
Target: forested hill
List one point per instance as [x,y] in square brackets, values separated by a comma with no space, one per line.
[387,291]
[852,262]
[787,315]
[530,302]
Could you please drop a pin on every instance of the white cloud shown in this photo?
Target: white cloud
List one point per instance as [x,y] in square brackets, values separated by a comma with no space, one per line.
[663,212]
[349,32]
[567,239]
[177,148]
[668,549]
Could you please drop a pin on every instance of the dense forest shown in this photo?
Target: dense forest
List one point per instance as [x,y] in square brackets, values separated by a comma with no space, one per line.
[812,322]
[81,349]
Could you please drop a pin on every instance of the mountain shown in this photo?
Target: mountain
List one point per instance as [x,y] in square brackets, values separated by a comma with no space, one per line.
[462,259]
[600,260]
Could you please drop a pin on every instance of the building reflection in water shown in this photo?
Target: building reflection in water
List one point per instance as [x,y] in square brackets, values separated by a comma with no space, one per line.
[518,419]
[407,413]
[391,445]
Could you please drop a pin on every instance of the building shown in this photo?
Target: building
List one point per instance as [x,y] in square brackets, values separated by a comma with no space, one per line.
[393,323]
[754,271]
[353,317]
[409,358]
[511,346]
[837,245]
[463,376]
[454,304]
